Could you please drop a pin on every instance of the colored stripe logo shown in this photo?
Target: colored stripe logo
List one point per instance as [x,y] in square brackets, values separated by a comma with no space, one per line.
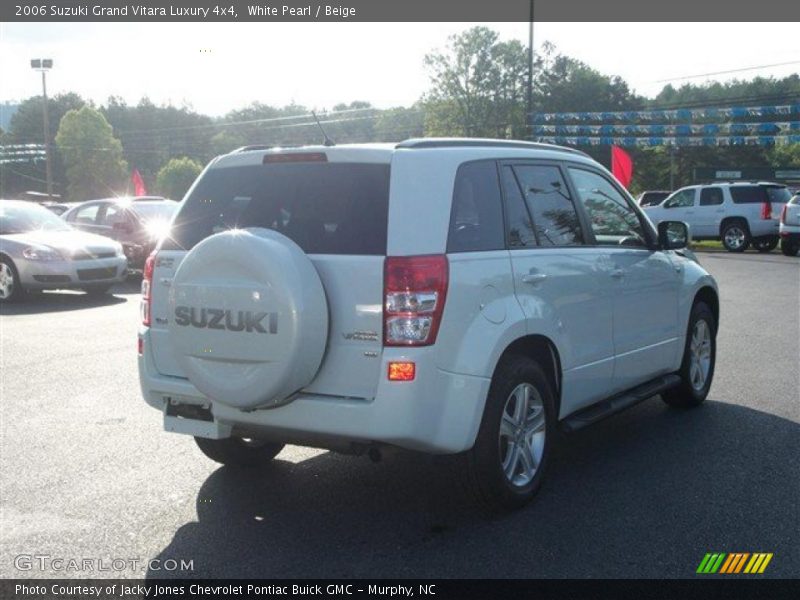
[734,562]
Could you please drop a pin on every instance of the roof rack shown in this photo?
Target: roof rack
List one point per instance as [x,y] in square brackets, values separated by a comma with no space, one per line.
[483,143]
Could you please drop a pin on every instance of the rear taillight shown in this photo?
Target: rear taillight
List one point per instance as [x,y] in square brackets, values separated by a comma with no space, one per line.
[414,291]
[766,210]
[783,213]
[147,286]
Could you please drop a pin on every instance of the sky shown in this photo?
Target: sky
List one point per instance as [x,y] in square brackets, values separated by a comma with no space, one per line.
[217,67]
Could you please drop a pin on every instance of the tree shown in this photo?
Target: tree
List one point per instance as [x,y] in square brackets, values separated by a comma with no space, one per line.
[92,155]
[477,86]
[26,127]
[177,176]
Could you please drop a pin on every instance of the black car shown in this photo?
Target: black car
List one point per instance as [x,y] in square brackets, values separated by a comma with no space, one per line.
[135,222]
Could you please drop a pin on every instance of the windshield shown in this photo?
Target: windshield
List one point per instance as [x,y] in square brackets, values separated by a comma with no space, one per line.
[24,218]
[155,211]
[325,208]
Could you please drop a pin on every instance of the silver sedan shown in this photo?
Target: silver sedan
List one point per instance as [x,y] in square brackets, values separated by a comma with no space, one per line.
[38,250]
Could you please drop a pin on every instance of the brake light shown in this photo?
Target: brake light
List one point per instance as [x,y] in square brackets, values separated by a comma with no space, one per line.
[415,289]
[293,157]
[783,213]
[766,210]
[147,286]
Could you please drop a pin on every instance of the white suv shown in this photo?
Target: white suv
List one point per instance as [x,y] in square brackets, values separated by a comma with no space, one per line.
[447,296]
[739,214]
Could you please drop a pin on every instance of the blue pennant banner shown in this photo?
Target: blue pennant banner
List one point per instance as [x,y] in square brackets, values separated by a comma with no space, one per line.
[732,140]
[680,114]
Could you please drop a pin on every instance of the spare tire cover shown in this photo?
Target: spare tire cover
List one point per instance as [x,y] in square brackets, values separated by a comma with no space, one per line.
[249,318]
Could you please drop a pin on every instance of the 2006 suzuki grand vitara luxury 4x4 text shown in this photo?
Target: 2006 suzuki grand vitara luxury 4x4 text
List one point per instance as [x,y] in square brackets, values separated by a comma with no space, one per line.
[447,296]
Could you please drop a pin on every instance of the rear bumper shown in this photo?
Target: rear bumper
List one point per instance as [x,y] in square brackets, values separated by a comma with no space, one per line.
[790,233]
[438,412]
[764,227]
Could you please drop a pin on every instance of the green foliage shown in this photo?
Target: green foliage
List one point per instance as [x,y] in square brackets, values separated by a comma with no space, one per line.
[478,87]
[92,155]
[151,134]
[563,84]
[177,176]
[27,127]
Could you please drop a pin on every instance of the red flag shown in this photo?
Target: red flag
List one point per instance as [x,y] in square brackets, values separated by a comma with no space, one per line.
[139,188]
[621,165]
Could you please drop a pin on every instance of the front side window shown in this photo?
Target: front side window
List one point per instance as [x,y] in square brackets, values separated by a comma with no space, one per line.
[476,222]
[681,199]
[710,196]
[614,221]
[555,220]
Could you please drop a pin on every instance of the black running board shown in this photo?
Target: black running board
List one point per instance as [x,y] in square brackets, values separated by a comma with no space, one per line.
[605,408]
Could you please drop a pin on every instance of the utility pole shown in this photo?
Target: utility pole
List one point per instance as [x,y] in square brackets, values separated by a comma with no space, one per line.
[43,65]
[529,109]
[671,168]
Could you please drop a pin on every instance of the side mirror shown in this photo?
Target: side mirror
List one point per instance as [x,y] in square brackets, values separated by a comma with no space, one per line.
[673,235]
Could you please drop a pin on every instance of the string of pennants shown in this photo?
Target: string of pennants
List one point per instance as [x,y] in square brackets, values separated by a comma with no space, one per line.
[707,129]
[20,153]
[759,140]
[680,114]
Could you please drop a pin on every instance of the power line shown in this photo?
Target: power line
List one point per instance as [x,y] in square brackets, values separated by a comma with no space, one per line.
[783,64]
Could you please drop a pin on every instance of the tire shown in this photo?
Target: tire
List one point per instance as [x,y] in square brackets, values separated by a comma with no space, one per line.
[97,290]
[10,286]
[766,244]
[788,248]
[735,236]
[692,391]
[494,454]
[239,452]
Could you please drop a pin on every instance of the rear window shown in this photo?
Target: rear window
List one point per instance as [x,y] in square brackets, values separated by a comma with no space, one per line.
[325,208]
[149,211]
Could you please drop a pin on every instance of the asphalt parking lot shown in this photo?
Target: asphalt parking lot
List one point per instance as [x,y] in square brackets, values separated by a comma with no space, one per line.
[87,472]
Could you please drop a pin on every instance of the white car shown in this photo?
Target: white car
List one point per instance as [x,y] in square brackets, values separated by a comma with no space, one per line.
[790,227]
[446,296]
[38,251]
[739,214]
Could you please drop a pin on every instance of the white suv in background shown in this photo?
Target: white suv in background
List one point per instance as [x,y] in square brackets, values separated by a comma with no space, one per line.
[790,227]
[739,214]
[447,296]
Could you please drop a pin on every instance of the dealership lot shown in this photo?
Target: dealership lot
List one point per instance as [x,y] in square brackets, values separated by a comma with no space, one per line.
[88,473]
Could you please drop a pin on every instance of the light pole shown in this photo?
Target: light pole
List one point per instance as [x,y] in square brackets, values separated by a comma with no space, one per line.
[43,65]
[529,100]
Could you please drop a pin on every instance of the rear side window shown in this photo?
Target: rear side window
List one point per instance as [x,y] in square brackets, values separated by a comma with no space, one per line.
[476,221]
[325,208]
[710,196]
[778,193]
[748,194]
[555,219]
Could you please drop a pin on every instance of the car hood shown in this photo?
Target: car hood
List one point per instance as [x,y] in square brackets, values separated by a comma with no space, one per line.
[68,243]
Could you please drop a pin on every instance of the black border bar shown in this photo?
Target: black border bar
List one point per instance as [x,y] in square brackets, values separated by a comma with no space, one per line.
[404,11]
[700,587]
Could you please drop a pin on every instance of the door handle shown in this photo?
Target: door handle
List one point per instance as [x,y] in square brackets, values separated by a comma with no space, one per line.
[533,278]
[617,273]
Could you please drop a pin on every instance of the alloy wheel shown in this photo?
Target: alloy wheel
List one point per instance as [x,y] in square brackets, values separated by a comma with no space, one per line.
[522,434]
